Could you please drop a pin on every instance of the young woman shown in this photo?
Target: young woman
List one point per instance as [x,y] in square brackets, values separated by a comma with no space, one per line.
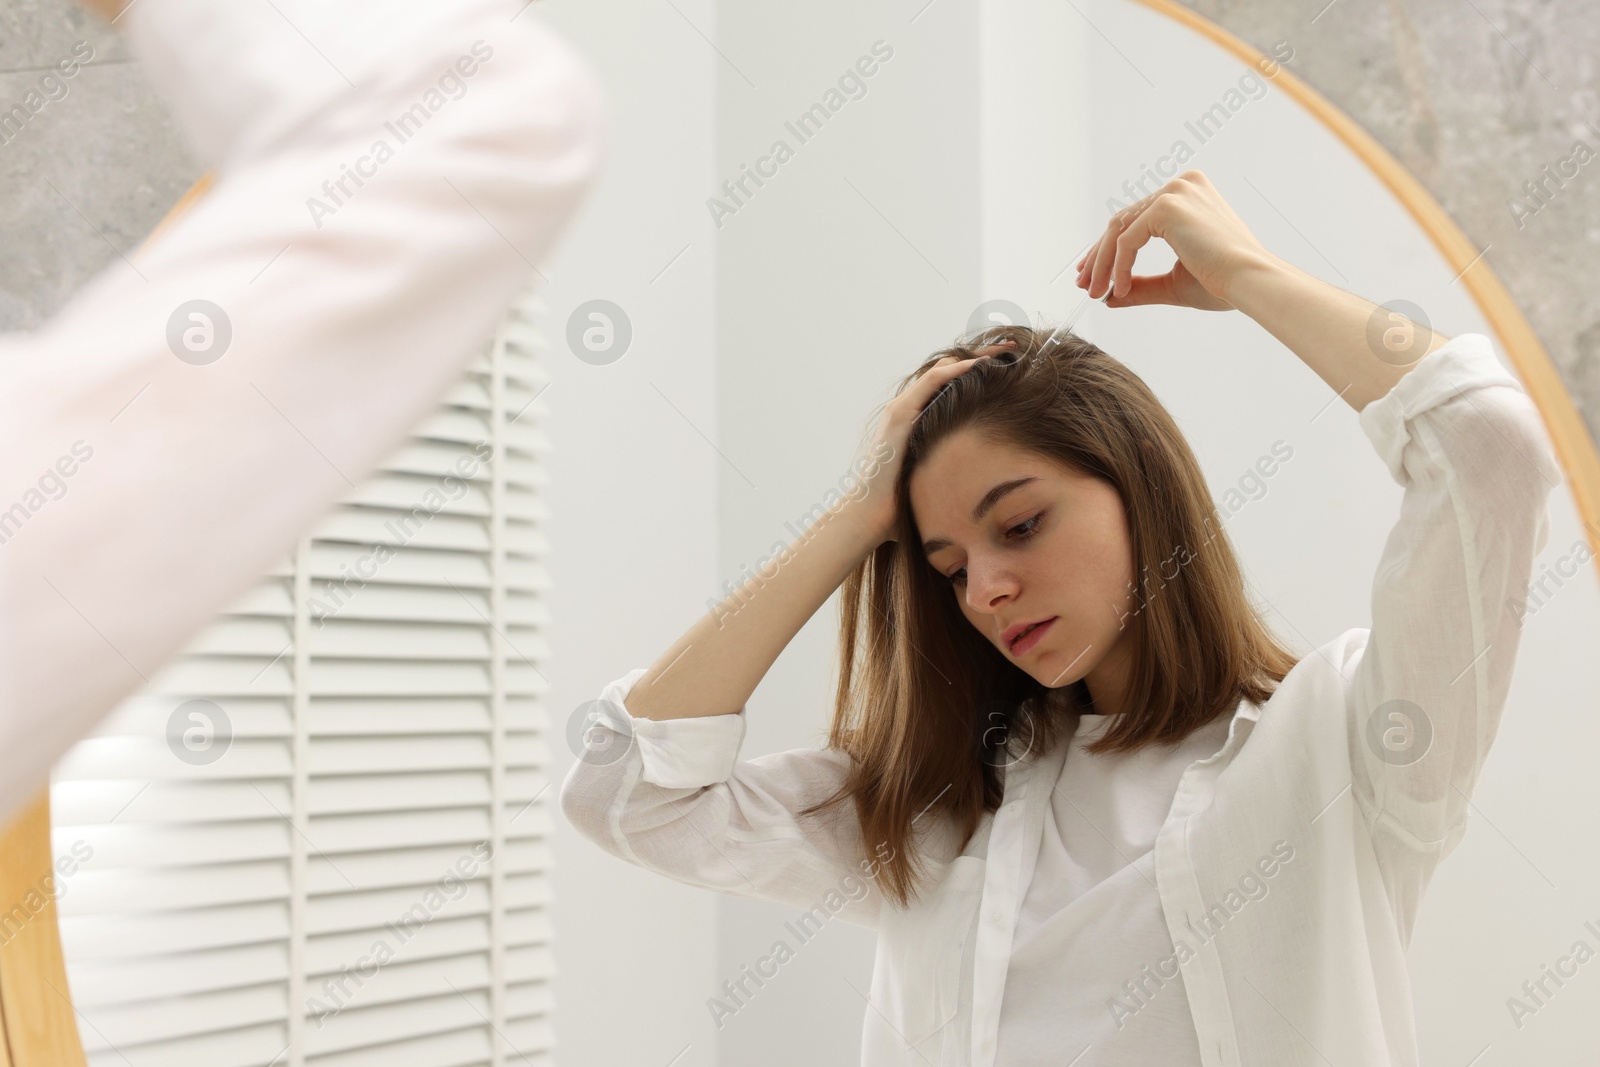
[1096,813]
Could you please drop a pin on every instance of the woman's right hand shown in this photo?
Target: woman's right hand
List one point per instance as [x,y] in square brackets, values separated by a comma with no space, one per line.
[889,438]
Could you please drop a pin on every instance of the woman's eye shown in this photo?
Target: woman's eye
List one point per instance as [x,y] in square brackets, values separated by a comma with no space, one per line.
[1021,531]
[1028,526]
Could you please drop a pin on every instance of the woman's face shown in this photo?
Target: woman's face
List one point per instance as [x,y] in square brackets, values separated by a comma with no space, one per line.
[1024,539]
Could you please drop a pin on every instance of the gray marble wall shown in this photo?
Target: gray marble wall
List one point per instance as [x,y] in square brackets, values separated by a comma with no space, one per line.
[1478,98]
[90,161]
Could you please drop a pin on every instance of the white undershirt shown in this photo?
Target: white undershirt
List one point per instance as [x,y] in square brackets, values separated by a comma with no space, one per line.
[1091,918]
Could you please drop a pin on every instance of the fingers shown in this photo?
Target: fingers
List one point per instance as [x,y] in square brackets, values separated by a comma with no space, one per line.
[1127,245]
[903,409]
[1104,253]
[1145,289]
[948,367]
[986,350]
[1095,265]
[1085,262]
[1108,265]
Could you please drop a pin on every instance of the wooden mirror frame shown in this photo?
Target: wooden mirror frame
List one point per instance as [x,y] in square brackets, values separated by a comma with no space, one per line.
[1568,433]
[36,1012]
[37,1020]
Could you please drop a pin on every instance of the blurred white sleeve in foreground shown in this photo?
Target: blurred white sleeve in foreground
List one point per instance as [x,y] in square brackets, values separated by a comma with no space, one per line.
[388,176]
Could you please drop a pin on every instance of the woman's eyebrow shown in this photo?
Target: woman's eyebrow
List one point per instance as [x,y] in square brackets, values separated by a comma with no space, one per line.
[990,499]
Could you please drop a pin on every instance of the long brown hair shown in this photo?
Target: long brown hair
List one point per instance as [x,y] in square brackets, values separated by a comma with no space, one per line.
[930,710]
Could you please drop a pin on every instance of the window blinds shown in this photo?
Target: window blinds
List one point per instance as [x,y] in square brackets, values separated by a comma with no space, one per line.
[321,837]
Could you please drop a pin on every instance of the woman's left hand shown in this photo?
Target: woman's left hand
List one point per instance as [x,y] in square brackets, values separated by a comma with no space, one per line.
[1211,242]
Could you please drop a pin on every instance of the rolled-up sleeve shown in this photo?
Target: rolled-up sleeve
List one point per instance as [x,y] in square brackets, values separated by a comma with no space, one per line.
[672,796]
[1425,695]
[674,753]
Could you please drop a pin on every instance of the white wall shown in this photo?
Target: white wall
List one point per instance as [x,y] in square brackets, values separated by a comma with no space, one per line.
[862,253]
[633,492]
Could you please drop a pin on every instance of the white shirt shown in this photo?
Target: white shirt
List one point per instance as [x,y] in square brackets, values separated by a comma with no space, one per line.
[141,493]
[1093,969]
[1292,862]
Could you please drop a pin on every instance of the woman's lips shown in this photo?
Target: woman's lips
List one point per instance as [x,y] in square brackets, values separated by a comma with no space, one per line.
[1031,637]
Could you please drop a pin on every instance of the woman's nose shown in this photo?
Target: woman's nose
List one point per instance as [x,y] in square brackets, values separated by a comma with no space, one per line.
[987,588]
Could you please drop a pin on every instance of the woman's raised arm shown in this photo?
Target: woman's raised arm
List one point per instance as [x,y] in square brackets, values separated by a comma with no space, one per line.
[1425,691]
[1358,348]
[1425,694]
[714,667]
